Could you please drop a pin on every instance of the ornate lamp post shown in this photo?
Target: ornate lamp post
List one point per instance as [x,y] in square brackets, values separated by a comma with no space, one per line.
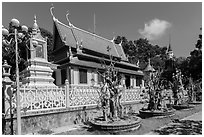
[19,33]
[15,23]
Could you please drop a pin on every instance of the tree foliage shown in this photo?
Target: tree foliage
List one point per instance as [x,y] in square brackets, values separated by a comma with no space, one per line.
[142,50]
[195,63]
[192,65]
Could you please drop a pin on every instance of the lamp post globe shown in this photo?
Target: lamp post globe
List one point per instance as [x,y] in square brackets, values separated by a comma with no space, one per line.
[5,32]
[15,23]
[24,28]
[20,35]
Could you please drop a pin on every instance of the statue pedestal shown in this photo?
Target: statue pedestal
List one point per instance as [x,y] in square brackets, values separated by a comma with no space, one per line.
[37,73]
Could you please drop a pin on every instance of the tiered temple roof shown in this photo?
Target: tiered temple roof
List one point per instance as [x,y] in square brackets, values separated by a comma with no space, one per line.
[71,35]
[94,47]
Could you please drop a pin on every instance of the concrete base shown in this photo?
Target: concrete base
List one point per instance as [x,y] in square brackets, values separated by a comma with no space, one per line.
[37,73]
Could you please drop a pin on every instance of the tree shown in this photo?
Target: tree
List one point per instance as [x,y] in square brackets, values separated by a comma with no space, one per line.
[142,50]
[50,41]
[110,91]
[195,63]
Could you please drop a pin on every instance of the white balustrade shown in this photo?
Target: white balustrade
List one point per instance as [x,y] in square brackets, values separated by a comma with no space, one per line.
[131,95]
[82,95]
[48,98]
[42,98]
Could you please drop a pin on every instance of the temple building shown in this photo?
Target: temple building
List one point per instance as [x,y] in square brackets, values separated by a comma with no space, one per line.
[80,55]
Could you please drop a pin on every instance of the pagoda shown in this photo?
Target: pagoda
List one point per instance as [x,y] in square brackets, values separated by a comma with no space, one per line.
[38,70]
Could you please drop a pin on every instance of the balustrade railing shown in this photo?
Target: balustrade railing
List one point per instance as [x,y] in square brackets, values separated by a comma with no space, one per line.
[42,98]
[82,95]
[130,95]
[47,98]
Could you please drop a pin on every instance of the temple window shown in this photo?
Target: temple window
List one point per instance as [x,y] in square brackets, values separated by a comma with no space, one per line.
[63,75]
[82,76]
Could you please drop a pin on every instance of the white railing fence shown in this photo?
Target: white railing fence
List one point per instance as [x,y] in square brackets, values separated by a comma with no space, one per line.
[42,98]
[49,98]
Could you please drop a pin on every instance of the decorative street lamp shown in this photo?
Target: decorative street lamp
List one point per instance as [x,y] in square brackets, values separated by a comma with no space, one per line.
[19,34]
[15,23]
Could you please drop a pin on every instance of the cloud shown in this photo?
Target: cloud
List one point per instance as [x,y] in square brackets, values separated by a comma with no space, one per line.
[154,29]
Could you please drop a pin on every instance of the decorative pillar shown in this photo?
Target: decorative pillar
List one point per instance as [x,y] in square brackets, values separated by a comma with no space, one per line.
[76,75]
[96,77]
[135,82]
[143,83]
[67,93]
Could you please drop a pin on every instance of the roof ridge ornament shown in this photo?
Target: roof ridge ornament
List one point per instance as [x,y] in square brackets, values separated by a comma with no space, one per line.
[67,17]
[120,44]
[138,63]
[51,12]
[113,39]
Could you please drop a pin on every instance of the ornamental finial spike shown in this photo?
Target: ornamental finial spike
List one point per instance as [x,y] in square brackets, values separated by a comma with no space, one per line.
[35,20]
[51,12]
[35,29]
[67,17]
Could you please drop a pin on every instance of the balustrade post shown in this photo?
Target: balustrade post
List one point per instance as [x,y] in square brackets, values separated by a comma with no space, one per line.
[67,93]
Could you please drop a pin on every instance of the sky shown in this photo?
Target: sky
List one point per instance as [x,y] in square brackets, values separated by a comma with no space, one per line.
[156,21]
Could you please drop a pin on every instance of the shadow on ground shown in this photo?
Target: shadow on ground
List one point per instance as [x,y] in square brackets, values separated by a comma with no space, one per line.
[181,127]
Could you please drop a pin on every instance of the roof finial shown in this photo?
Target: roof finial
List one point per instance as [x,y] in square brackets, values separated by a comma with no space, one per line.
[67,16]
[51,12]
[138,63]
[169,48]
[120,44]
[35,29]
[35,21]
[113,37]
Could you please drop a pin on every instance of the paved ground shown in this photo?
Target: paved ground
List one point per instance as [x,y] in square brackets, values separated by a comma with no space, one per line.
[148,125]
[193,119]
